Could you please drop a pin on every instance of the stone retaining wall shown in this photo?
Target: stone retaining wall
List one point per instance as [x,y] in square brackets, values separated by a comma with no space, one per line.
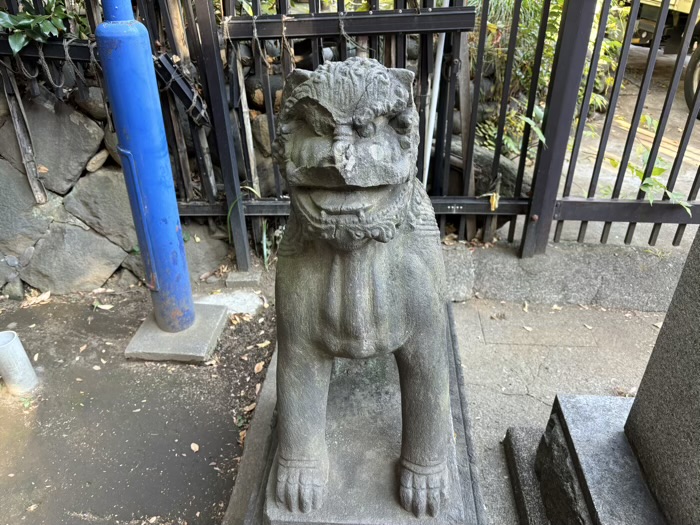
[84,234]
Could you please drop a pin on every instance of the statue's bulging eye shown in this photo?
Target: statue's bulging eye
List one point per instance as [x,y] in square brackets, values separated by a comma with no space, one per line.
[402,122]
[367,130]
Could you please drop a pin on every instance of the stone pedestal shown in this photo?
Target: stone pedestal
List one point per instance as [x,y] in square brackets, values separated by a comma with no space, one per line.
[617,461]
[664,424]
[364,441]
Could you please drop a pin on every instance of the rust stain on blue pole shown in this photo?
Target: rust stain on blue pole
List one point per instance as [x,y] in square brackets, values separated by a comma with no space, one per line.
[132,91]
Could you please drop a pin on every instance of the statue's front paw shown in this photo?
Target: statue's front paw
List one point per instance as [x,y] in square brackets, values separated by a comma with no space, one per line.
[423,488]
[300,484]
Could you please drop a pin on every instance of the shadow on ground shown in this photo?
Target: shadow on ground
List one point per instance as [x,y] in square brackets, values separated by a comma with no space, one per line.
[108,441]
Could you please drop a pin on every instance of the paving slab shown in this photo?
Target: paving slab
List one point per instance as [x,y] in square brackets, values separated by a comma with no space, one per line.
[194,345]
[108,441]
[515,384]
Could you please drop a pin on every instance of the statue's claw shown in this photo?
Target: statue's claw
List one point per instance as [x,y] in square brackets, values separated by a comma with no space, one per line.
[300,484]
[423,489]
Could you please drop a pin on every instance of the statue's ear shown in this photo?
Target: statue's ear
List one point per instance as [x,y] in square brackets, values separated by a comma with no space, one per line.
[295,78]
[405,78]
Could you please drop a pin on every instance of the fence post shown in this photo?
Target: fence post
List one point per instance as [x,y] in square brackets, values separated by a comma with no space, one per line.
[562,96]
[221,120]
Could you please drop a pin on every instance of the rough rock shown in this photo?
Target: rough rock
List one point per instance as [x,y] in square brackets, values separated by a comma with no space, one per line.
[206,255]
[102,202]
[22,221]
[483,161]
[96,162]
[70,259]
[63,138]
[134,264]
[7,271]
[261,134]
[111,145]
[14,289]
[93,103]
[266,175]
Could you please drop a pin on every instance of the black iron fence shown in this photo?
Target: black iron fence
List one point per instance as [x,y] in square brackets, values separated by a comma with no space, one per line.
[523,164]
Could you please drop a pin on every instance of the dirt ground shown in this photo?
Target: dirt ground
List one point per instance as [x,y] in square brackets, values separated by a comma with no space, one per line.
[110,441]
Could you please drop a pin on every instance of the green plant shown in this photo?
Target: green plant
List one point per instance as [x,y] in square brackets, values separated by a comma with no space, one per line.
[496,54]
[653,185]
[29,26]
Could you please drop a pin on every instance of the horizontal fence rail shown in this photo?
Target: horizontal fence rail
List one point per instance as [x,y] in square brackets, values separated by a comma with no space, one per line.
[534,145]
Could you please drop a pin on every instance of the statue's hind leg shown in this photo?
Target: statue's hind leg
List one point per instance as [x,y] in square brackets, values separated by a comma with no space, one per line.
[303,377]
[425,403]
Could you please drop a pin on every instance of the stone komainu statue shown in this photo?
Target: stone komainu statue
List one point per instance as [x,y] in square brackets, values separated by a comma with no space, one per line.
[360,273]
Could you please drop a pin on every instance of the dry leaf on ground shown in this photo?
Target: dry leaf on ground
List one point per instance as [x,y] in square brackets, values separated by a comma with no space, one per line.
[259,367]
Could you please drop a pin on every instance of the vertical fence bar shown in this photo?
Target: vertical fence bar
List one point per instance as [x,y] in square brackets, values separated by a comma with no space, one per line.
[315,7]
[490,225]
[530,111]
[692,195]
[374,39]
[567,72]
[400,48]
[424,72]
[285,47]
[666,111]
[638,109]
[612,104]
[584,109]
[342,41]
[678,162]
[221,121]
[262,68]
[470,136]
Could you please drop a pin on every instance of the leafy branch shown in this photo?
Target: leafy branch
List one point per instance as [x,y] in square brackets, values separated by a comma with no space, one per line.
[30,26]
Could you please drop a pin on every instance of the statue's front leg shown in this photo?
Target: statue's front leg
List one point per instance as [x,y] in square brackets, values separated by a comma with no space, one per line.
[303,377]
[425,404]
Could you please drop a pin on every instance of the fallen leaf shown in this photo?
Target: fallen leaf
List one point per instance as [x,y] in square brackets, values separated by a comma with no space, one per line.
[42,169]
[241,437]
[528,328]
[556,307]
[39,299]
[101,306]
[257,389]
[32,507]
[79,380]
[658,325]
[82,348]
[244,357]
[97,368]
[525,307]
[36,357]
[103,361]
[249,408]
[197,239]
[259,367]
[194,447]
[264,344]
[137,410]
[588,326]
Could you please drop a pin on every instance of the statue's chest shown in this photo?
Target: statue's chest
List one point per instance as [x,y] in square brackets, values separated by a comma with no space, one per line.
[363,308]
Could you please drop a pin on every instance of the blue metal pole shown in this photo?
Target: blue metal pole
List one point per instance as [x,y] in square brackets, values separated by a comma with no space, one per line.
[132,92]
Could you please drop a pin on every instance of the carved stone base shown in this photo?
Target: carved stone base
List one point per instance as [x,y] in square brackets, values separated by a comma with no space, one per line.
[582,470]
[364,440]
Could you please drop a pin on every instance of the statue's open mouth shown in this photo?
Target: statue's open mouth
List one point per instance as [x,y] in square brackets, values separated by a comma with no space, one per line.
[351,214]
[350,200]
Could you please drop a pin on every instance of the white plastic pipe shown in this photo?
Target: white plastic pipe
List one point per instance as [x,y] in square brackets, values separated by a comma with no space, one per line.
[435,85]
[15,368]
